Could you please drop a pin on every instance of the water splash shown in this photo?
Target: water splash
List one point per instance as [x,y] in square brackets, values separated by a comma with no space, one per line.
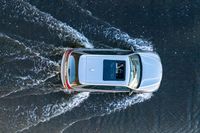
[95,29]
[128,101]
[22,78]
[21,10]
[51,111]
[113,106]
[115,34]
[102,30]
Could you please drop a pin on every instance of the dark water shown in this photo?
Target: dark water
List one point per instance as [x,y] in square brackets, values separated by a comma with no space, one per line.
[34,34]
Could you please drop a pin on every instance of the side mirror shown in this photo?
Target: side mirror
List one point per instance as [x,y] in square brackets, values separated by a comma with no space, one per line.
[132,48]
[131,92]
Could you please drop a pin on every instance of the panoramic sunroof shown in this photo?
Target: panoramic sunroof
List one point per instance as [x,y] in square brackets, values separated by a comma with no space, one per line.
[113,70]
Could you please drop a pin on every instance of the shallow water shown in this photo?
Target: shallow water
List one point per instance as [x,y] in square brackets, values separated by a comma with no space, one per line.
[34,34]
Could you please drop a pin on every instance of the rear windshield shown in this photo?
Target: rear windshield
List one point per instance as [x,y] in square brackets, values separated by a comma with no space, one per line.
[114,70]
[71,70]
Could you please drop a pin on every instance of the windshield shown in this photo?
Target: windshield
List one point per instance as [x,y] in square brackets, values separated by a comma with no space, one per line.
[135,71]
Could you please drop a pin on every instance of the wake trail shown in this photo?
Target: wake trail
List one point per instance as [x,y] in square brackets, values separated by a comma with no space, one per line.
[114,106]
[25,53]
[128,101]
[94,28]
[19,10]
[52,111]
[90,26]
[49,111]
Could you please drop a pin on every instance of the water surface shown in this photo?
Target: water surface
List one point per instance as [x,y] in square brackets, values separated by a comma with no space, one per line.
[34,34]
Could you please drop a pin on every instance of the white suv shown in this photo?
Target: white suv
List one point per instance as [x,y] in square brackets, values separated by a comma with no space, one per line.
[110,70]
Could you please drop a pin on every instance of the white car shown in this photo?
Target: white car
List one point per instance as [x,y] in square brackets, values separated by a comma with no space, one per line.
[110,70]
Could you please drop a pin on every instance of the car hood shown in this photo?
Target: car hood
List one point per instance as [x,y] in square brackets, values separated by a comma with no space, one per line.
[151,71]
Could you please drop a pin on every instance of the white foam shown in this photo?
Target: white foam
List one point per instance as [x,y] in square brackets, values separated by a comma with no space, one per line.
[34,83]
[29,50]
[1,34]
[115,106]
[50,111]
[64,32]
[32,14]
[128,101]
[4,35]
[34,80]
[11,92]
[115,34]
[76,121]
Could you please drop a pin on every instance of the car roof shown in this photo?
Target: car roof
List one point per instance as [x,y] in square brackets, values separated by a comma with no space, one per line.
[91,69]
